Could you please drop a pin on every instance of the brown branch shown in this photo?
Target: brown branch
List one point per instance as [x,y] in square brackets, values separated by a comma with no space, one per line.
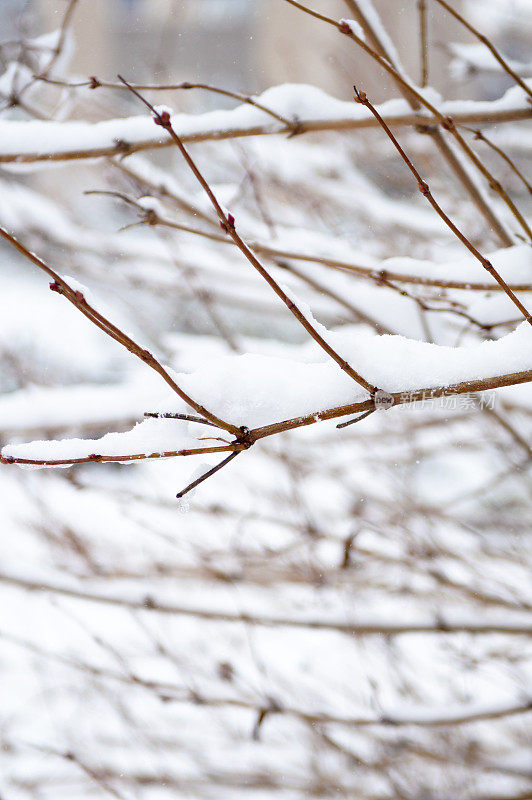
[171,415]
[423,41]
[67,18]
[121,148]
[62,36]
[425,191]
[207,474]
[96,83]
[227,223]
[244,441]
[378,275]
[356,419]
[77,299]
[96,774]
[100,459]
[399,398]
[433,130]
[448,123]
[310,11]
[491,47]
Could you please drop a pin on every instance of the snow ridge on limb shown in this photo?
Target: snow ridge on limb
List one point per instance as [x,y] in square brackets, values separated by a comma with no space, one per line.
[270,395]
[315,111]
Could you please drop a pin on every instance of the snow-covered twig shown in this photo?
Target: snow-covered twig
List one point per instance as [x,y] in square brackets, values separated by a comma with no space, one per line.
[316,111]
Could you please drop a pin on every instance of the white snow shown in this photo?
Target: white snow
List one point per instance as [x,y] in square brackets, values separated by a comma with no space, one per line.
[38,407]
[152,437]
[433,500]
[514,264]
[256,390]
[149,203]
[42,139]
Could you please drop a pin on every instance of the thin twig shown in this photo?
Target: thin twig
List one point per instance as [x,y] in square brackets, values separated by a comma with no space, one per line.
[67,18]
[423,41]
[309,11]
[62,37]
[161,187]
[433,131]
[96,83]
[448,123]
[356,419]
[424,306]
[171,415]
[228,225]
[489,44]
[207,474]
[101,459]
[425,191]
[77,298]
[481,137]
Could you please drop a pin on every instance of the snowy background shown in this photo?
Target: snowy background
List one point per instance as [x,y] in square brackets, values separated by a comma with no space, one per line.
[336,613]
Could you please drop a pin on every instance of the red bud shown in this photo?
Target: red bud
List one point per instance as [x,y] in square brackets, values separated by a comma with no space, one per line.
[163,119]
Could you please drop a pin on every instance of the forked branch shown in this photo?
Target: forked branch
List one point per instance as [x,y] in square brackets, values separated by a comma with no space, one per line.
[361,97]
[227,223]
[96,83]
[247,438]
[434,131]
[447,123]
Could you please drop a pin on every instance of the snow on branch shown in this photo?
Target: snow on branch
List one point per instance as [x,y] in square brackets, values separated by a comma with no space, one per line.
[269,395]
[310,107]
